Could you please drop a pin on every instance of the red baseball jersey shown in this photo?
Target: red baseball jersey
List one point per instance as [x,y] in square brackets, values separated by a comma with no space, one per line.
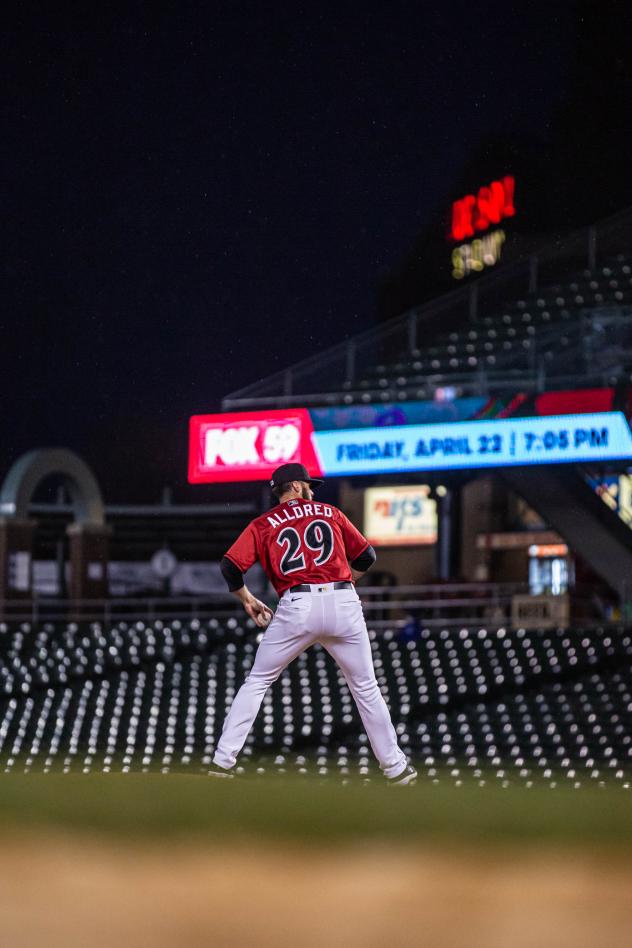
[299,541]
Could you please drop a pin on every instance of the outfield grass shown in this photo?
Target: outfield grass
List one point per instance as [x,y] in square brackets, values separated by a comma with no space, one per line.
[301,809]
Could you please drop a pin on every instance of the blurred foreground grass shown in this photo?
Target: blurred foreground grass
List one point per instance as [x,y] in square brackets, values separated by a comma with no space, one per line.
[301,810]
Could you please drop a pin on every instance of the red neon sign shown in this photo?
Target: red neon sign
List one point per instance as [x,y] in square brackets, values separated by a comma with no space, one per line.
[492,204]
[248,446]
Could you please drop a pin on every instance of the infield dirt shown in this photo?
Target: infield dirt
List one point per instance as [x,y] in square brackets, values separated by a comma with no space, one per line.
[65,890]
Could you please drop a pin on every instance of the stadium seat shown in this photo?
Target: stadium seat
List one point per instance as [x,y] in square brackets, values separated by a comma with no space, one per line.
[468,703]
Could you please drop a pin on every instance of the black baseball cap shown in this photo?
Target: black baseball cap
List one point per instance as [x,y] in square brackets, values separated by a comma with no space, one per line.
[293,472]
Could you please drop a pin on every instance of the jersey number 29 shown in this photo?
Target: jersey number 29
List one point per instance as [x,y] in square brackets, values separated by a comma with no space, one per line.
[317,536]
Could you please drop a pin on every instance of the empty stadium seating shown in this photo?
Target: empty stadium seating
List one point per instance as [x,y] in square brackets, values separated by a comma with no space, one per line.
[559,327]
[468,704]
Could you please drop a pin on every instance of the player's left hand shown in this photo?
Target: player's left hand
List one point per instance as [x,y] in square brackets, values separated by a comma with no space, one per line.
[259,612]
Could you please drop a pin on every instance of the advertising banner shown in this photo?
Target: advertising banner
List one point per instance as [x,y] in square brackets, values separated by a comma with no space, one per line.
[398,516]
[413,437]
[248,446]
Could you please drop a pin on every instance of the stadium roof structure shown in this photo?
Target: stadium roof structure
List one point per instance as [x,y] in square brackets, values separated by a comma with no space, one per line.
[558,317]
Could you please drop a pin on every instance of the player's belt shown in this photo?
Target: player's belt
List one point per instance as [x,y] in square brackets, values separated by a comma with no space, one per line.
[307,587]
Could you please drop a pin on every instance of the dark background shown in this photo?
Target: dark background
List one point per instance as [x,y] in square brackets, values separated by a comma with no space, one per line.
[195,199]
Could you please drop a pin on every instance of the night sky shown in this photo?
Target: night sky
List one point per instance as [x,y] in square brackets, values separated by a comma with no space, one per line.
[195,200]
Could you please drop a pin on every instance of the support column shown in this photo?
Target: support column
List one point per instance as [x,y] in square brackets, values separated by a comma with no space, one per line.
[89,548]
[449,521]
[16,558]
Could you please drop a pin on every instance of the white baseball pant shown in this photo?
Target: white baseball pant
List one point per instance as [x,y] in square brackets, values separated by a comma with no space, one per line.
[334,618]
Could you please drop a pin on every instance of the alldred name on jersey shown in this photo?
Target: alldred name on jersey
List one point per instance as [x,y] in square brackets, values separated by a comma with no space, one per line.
[295,511]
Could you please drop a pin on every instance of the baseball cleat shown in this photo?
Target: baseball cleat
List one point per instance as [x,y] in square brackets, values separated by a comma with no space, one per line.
[222,772]
[407,777]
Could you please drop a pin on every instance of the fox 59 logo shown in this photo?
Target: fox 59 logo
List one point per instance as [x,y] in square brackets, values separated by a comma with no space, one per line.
[234,446]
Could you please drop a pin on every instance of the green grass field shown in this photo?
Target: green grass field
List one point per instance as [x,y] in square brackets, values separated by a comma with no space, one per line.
[301,809]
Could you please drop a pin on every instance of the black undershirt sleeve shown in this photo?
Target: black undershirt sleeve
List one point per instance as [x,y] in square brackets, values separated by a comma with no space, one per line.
[365,560]
[234,578]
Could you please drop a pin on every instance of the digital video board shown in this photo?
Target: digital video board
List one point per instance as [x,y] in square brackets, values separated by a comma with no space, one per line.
[421,436]
[501,443]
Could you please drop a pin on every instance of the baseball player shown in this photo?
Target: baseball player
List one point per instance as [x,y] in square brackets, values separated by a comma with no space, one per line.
[313,556]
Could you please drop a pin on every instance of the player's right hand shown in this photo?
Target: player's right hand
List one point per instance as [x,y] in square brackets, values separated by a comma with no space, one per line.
[259,612]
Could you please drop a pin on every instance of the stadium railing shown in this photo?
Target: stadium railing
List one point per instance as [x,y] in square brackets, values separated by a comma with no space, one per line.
[430,604]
